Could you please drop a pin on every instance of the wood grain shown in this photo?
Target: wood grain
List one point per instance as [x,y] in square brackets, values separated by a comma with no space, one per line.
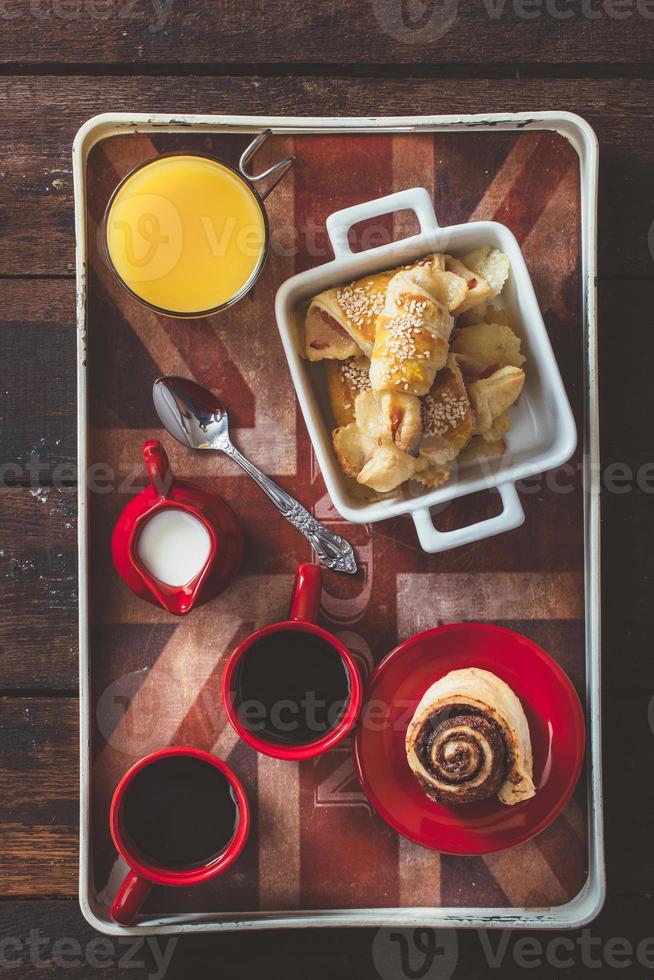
[38,425]
[285,34]
[43,115]
[38,645]
[38,589]
[38,794]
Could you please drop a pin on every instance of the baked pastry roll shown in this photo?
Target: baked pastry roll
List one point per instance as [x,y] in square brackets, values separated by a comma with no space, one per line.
[486,345]
[479,448]
[413,331]
[444,285]
[346,380]
[469,740]
[491,264]
[446,424]
[485,272]
[390,415]
[341,322]
[325,338]
[490,397]
[379,449]
[485,312]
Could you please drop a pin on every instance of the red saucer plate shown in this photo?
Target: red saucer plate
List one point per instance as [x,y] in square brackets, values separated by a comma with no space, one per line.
[556,724]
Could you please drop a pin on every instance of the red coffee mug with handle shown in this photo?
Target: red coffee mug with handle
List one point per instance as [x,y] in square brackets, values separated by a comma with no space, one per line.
[305,606]
[143,874]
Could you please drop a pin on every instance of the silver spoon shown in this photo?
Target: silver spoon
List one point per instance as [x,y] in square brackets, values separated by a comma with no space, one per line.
[197,419]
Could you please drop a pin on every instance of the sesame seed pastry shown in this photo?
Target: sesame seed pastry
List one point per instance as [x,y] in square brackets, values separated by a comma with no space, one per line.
[420,368]
[413,331]
[446,424]
[341,322]
[345,380]
[469,740]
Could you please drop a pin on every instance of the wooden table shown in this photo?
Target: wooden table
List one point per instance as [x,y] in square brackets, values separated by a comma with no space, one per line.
[63,61]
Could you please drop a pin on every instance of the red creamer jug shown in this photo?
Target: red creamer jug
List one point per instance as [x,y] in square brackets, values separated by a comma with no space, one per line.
[153,558]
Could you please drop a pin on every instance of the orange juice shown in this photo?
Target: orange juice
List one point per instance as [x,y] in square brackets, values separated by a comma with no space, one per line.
[186,234]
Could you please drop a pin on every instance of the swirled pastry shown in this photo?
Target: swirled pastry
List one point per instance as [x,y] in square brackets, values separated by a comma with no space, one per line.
[469,740]
[341,322]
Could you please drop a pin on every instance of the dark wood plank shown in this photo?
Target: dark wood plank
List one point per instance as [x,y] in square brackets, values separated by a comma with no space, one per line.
[44,114]
[129,32]
[38,589]
[37,394]
[38,795]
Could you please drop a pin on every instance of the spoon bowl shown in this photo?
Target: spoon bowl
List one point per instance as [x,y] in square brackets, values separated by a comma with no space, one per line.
[191,414]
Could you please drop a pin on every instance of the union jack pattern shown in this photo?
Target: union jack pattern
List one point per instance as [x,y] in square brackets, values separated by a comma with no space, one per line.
[315,842]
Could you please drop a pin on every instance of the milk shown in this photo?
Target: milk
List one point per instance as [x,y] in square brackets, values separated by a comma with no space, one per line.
[174,546]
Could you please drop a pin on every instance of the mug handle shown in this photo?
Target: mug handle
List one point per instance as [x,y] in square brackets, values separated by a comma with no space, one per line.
[415,199]
[131,896]
[158,467]
[434,541]
[305,604]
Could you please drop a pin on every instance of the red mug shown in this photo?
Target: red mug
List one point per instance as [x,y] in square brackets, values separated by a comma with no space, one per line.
[305,606]
[219,520]
[143,874]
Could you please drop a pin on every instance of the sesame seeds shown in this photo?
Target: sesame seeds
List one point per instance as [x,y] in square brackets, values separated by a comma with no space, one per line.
[403,335]
[361,304]
[441,414]
[355,376]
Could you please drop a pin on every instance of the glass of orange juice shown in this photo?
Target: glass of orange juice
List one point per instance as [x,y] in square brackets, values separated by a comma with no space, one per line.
[186,234]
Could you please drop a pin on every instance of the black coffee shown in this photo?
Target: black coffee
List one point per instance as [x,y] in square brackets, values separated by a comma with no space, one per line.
[179,812]
[291,688]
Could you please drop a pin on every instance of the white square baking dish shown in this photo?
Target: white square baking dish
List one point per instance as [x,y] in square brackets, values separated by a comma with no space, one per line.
[543,433]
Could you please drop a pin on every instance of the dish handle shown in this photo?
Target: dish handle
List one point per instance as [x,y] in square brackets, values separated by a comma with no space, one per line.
[433,541]
[415,199]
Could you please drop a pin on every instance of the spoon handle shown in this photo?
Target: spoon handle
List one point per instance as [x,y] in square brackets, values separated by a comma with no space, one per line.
[332,550]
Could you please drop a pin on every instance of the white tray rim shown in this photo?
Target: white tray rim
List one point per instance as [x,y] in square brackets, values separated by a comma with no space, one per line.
[585,906]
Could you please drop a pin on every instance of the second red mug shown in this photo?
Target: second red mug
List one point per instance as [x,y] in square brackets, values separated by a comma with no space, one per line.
[292,690]
[179,817]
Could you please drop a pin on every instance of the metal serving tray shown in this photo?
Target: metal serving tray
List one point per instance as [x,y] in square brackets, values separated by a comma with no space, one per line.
[147,680]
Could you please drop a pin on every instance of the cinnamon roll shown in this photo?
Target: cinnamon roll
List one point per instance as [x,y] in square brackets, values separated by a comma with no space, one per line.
[469,740]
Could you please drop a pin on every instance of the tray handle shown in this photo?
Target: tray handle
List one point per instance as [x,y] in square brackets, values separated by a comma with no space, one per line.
[415,199]
[433,541]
